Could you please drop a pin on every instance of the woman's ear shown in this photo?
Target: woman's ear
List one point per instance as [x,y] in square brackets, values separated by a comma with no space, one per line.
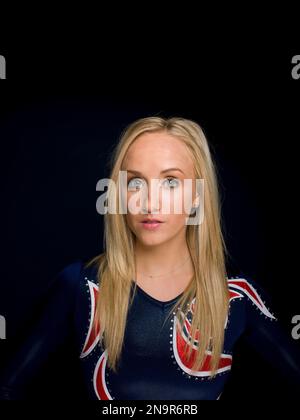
[196,204]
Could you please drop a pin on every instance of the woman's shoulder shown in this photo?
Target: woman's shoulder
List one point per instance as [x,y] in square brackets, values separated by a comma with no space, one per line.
[76,272]
[243,281]
[252,292]
[246,284]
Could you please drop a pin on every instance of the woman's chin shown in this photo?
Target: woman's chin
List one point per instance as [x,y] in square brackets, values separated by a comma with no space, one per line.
[147,240]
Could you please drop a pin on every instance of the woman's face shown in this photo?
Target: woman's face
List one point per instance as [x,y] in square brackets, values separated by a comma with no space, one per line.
[150,157]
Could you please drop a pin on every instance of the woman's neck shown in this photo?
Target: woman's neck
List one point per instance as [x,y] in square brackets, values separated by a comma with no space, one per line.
[164,258]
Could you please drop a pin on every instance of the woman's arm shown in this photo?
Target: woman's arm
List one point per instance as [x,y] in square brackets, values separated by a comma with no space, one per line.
[48,334]
[266,335]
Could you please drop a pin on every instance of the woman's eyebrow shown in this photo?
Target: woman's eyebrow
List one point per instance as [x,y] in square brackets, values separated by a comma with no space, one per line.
[162,172]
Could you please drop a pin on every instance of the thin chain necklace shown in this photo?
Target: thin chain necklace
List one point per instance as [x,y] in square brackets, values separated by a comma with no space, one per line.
[160,275]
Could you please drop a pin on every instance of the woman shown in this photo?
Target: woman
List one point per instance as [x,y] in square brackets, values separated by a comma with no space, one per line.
[156,315]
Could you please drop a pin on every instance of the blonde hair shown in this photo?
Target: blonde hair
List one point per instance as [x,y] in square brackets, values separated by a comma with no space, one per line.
[116,266]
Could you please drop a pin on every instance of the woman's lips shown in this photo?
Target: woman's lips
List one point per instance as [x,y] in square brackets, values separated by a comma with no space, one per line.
[152,225]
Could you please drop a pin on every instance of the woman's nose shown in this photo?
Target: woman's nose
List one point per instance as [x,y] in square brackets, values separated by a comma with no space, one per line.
[151,197]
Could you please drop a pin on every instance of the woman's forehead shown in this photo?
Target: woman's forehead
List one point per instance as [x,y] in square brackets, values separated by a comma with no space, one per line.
[158,151]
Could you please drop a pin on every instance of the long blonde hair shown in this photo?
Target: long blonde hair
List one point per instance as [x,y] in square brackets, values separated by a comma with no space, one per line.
[116,265]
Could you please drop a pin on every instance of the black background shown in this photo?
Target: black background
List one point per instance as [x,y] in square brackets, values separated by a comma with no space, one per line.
[63,110]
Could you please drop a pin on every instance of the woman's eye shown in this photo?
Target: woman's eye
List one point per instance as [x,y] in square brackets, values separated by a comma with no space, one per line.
[134,183]
[171,182]
[137,183]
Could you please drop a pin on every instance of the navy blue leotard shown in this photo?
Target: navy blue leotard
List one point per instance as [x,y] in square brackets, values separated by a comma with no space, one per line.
[153,364]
